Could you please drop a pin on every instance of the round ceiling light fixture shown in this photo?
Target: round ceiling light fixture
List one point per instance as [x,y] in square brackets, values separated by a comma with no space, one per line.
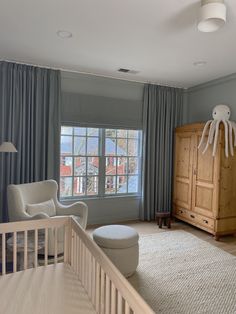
[212,15]
[64,34]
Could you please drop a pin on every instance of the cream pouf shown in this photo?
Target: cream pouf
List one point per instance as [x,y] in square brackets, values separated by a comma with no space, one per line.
[120,244]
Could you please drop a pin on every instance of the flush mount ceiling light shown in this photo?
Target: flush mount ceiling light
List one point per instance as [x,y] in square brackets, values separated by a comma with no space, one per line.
[64,34]
[212,15]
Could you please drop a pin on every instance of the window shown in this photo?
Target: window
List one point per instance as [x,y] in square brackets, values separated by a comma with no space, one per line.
[99,162]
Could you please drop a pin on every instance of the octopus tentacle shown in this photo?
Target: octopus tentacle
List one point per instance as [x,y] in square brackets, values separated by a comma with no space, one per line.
[226,139]
[216,137]
[230,137]
[209,136]
[212,131]
[204,133]
[234,129]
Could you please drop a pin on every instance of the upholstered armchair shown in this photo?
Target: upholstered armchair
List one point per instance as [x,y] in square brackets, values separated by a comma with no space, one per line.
[38,200]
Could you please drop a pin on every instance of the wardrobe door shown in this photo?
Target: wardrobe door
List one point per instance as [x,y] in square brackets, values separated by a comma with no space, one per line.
[183,169]
[205,187]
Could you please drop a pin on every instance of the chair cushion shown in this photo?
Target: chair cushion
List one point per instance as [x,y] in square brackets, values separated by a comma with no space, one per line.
[115,236]
[47,207]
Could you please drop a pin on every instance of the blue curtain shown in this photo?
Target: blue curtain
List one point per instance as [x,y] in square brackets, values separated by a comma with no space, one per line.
[30,119]
[162,112]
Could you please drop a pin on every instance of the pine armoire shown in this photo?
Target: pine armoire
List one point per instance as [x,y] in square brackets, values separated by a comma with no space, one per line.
[204,186]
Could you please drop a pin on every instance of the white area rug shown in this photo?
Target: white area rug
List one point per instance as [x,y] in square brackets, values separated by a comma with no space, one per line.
[179,273]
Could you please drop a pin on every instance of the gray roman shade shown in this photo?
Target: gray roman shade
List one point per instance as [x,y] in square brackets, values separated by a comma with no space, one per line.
[101,111]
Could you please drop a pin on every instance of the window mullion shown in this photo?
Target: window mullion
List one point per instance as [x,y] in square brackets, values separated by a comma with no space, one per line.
[102,163]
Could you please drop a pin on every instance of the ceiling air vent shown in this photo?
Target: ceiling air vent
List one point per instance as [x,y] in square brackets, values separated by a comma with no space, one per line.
[123,70]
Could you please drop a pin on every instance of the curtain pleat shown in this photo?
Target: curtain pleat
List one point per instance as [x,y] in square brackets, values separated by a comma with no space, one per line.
[162,112]
[29,118]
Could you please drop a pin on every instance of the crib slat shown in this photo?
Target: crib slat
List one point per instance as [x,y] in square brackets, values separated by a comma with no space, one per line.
[25,249]
[14,252]
[72,248]
[65,244]
[85,267]
[36,248]
[97,293]
[93,280]
[89,275]
[119,303]
[3,254]
[127,308]
[102,292]
[55,244]
[107,296]
[113,299]
[80,259]
[46,247]
[76,255]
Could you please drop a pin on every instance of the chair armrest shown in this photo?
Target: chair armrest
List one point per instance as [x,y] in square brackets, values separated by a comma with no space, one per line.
[25,216]
[77,209]
[40,216]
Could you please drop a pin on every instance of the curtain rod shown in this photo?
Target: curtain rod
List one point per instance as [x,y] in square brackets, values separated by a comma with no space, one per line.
[90,73]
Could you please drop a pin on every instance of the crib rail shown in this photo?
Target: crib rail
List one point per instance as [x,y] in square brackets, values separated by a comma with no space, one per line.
[26,239]
[108,290]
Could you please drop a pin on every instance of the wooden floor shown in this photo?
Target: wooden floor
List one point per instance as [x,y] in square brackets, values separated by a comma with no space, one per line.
[44,290]
[227,244]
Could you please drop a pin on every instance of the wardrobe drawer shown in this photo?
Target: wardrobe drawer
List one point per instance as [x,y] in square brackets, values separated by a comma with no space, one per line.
[206,222]
[181,212]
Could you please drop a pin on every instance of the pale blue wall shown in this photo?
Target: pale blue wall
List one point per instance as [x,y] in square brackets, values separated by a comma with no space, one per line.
[95,94]
[201,99]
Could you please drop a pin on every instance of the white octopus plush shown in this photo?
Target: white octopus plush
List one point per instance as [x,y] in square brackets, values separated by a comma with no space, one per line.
[221,113]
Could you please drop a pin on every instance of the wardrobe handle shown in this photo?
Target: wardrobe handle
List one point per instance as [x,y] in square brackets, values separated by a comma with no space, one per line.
[192,216]
[180,211]
[206,221]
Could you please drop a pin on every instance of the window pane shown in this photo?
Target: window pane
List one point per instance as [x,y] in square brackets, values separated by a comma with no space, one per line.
[133,147]
[66,145]
[66,166]
[92,146]
[92,185]
[66,130]
[110,185]
[66,187]
[133,184]
[110,165]
[110,133]
[79,145]
[133,165]
[93,166]
[79,186]
[121,184]
[80,166]
[122,165]
[133,133]
[92,132]
[110,149]
[122,133]
[122,147]
[80,131]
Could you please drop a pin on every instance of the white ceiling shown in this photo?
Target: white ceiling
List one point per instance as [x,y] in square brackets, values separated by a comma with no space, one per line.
[159,38]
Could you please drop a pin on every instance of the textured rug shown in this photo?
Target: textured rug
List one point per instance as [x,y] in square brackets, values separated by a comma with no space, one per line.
[179,273]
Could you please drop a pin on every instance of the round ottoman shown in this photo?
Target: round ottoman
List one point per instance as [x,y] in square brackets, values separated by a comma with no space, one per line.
[120,244]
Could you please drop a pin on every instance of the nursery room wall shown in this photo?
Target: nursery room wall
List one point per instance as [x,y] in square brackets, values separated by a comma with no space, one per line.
[201,99]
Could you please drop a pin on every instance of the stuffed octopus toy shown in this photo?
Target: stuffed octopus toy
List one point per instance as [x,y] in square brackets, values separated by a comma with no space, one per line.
[221,113]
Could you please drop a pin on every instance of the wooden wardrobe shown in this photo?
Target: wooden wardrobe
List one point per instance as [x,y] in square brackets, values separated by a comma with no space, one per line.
[204,186]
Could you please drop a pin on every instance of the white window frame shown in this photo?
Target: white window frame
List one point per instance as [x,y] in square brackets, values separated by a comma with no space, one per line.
[102,165]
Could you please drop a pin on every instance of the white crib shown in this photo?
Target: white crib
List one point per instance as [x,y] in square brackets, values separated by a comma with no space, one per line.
[85,282]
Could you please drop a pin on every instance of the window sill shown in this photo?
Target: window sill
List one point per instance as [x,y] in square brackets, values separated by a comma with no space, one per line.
[96,198]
